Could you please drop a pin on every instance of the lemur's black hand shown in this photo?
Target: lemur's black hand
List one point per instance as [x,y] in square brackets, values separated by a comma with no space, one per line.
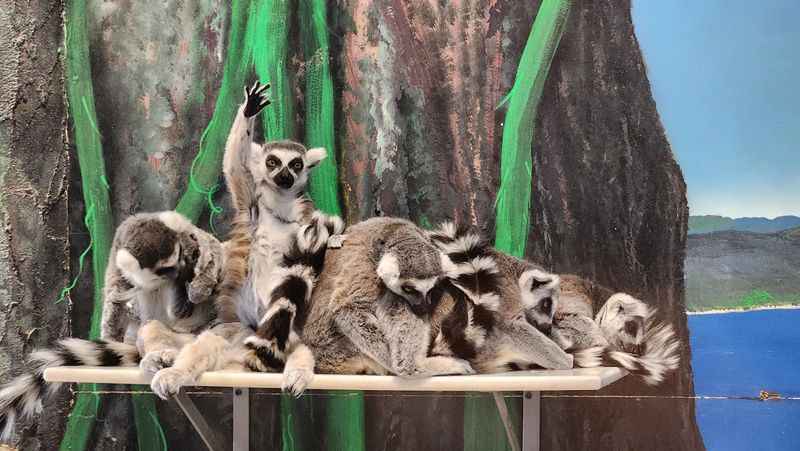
[255,99]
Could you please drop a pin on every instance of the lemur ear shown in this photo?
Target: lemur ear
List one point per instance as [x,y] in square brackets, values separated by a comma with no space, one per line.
[534,279]
[315,155]
[388,268]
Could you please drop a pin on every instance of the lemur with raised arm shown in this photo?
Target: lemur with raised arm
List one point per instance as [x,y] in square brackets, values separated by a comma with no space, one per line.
[624,333]
[162,270]
[262,287]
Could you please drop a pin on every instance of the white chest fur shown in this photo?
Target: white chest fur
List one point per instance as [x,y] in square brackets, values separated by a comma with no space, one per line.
[277,225]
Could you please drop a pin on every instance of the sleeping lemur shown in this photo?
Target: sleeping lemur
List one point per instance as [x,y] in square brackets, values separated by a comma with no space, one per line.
[162,269]
[624,332]
[366,315]
[492,318]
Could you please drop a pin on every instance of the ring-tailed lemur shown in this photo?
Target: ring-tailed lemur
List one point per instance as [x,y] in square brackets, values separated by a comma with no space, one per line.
[493,323]
[360,319]
[161,268]
[280,348]
[623,333]
[229,345]
[267,183]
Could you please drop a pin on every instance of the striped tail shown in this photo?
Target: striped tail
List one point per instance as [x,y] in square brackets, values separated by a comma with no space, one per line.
[276,335]
[470,264]
[660,355]
[473,283]
[22,398]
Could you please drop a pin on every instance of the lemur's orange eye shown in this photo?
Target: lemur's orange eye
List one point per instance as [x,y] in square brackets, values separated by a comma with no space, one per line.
[272,163]
[296,164]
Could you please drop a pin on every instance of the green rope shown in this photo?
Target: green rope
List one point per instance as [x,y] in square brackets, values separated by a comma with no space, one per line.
[324,185]
[344,420]
[514,195]
[213,208]
[268,34]
[99,222]
[483,428]
[86,221]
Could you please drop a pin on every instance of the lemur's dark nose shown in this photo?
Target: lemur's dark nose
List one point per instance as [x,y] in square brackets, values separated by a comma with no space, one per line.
[284,179]
[632,326]
[546,305]
[545,328]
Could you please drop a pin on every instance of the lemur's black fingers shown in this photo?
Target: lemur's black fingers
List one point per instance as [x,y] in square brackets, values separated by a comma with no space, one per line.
[261,89]
[253,88]
[264,104]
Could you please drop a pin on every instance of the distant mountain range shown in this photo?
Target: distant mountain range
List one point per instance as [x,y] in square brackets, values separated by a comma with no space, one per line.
[713,223]
[735,269]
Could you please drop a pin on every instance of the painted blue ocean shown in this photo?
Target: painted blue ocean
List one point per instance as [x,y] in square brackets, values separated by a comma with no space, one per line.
[735,356]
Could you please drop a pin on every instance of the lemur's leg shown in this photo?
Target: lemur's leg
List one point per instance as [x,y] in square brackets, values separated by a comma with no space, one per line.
[441,365]
[527,343]
[159,346]
[116,314]
[205,269]
[408,338]
[207,353]
[299,369]
[358,323]
[289,292]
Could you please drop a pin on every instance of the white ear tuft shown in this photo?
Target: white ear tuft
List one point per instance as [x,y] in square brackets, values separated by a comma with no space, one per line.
[315,155]
[389,269]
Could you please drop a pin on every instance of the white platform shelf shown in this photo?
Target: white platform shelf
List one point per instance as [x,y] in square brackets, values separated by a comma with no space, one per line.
[531,383]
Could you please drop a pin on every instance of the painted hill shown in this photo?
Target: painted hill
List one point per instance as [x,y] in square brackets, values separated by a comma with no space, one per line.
[714,223]
[734,269]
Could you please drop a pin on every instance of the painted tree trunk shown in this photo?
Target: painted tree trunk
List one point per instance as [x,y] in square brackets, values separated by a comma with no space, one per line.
[34,185]
[610,204]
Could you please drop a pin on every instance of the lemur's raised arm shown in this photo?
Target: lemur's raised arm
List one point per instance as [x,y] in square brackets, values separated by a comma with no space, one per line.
[238,146]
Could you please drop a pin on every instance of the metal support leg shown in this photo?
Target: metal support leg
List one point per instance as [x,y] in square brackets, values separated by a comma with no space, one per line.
[502,409]
[197,420]
[241,419]
[530,420]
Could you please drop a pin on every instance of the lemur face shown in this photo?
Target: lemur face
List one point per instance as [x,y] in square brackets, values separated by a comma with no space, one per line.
[413,286]
[622,319]
[151,255]
[284,165]
[539,292]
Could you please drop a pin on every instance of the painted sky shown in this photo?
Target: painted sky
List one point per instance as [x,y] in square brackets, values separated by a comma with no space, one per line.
[726,78]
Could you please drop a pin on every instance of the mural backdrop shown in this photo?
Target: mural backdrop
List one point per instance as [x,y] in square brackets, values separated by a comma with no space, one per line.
[723,79]
[532,120]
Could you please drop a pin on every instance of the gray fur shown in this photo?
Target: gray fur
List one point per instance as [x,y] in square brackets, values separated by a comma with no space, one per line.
[128,305]
[355,324]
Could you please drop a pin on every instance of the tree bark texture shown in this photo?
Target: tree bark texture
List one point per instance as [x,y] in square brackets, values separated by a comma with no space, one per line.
[417,86]
[34,185]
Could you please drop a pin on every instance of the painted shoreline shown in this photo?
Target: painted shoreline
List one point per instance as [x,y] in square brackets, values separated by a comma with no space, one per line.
[745,309]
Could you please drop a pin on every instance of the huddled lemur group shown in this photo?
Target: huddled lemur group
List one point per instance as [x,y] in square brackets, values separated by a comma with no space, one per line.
[293,291]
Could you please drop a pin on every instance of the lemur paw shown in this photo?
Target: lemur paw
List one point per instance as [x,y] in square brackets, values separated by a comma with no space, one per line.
[295,380]
[157,360]
[460,366]
[255,99]
[168,382]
